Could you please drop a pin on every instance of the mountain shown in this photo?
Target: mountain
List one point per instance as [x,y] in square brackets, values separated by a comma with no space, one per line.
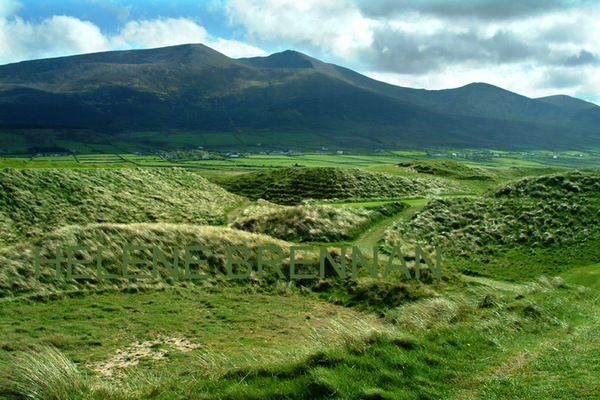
[196,89]
[564,101]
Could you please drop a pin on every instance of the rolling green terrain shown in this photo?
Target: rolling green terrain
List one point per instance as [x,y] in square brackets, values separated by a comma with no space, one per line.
[514,315]
[292,185]
[33,202]
[546,225]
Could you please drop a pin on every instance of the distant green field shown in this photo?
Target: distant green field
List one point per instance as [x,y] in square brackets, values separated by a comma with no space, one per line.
[318,150]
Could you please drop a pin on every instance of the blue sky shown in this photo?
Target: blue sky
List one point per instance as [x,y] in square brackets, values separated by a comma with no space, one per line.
[532,47]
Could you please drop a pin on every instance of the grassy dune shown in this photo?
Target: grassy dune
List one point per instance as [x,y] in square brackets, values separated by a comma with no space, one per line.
[534,226]
[18,273]
[293,185]
[499,329]
[33,202]
[312,223]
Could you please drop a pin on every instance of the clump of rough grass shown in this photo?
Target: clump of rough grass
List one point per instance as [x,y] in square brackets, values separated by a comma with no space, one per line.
[293,185]
[429,313]
[134,384]
[334,336]
[17,271]
[43,373]
[305,222]
[34,202]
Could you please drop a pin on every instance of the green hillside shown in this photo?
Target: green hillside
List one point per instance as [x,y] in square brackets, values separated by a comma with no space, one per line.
[312,223]
[499,323]
[18,277]
[33,202]
[293,185]
[545,224]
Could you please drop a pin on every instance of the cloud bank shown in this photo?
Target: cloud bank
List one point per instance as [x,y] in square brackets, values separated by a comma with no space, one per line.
[62,35]
[531,47]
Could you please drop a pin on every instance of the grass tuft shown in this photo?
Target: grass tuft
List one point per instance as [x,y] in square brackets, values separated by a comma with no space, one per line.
[43,373]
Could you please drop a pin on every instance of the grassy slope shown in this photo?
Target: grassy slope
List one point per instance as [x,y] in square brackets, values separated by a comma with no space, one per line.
[466,341]
[313,223]
[477,178]
[33,202]
[459,338]
[17,277]
[535,225]
[292,185]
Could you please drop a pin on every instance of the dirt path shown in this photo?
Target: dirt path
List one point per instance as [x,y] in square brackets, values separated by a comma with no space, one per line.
[233,213]
[372,236]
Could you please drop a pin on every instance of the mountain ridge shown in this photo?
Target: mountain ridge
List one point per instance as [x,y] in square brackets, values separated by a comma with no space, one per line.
[196,88]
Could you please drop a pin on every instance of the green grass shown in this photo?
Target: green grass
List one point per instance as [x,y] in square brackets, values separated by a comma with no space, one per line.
[34,201]
[292,345]
[539,225]
[587,275]
[293,185]
[501,331]
[27,163]
[313,223]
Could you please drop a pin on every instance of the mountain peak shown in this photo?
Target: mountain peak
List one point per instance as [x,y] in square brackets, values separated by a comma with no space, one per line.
[285,59]
[480,86]
[562,100]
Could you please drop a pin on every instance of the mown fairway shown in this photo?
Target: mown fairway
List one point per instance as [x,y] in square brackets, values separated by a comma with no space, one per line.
[515,314]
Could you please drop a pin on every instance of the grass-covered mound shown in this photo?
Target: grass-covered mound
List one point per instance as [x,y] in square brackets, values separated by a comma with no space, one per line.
[530,227]
[312,223]
[36,201]
[293,185]
[449,169]
[17,273]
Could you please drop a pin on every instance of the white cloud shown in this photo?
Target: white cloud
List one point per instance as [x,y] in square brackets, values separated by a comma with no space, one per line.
[9,8]
[174,31]
[163,32]
[56,36]
[336,26]
[64,35]
[235,49]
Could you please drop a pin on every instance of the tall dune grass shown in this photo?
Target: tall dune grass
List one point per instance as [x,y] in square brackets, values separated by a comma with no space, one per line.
[34,202]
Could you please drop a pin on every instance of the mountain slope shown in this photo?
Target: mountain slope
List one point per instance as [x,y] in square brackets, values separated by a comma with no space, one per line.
[194,88]
[475,99]
[561,100]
